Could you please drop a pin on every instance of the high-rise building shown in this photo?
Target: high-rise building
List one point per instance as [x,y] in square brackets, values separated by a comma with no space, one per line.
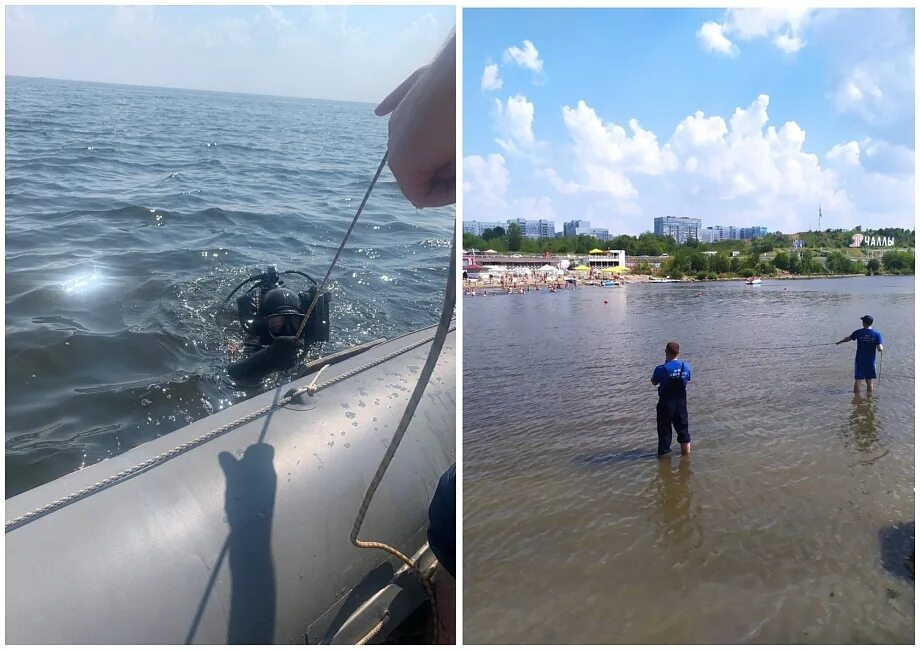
[535,228]
[530,228]
[478,227]
[577,227]
[680,228]
[752,233]
[601,233]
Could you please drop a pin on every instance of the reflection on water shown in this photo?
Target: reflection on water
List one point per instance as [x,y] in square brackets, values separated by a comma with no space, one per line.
[768,533]
[678,531]
[863,428]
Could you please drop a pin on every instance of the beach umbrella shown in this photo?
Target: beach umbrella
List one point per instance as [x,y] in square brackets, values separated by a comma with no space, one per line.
[615,269]
[490,251]
[582,267]
[547,267]
[596,251]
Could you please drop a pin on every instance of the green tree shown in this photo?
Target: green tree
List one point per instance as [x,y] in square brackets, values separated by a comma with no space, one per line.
[898,261]
[514,237]
[720,263]
[781,261]
[873,266]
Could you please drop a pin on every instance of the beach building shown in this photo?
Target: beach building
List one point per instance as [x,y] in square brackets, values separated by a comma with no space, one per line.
[600,259]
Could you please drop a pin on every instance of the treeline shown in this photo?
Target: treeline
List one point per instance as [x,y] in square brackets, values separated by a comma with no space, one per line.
[688,259]
[650,244]
[797,262]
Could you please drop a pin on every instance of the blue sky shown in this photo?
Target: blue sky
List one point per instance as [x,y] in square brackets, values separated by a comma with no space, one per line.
[344,53]
[796,107]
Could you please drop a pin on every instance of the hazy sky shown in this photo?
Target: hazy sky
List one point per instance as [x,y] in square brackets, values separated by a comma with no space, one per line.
[345,53]
[739,117]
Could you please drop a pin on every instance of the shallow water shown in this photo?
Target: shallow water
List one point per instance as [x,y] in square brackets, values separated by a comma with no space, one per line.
[132,212]
[773,531]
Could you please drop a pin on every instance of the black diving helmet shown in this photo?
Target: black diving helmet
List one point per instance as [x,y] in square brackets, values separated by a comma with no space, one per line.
[280,308]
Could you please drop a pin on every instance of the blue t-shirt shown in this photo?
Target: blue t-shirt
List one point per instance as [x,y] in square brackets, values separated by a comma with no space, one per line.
[670,371]
[866,340]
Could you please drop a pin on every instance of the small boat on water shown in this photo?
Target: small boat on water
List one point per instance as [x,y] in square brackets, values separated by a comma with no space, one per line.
[236,528]
[753,280]
[663,280]
[609,283]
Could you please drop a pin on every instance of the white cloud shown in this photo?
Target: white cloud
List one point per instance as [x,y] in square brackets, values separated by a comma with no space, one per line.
[743,170]
[789,43]
[490,78]
[485,183]
[713,40]
[514,123]
[530,207]
[604,153]
[785,27]
[526,57]
[878,90]
[485,187]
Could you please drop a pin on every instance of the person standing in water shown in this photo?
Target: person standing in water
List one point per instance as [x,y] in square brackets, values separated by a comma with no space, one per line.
[672,378]
[868,341]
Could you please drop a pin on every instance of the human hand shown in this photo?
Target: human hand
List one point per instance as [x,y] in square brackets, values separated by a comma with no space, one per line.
[422,132]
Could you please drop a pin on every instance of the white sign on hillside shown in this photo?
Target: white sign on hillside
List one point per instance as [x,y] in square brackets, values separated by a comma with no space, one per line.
[871,240]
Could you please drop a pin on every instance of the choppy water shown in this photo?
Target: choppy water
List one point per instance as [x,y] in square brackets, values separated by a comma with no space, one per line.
[783,526]
[130,214]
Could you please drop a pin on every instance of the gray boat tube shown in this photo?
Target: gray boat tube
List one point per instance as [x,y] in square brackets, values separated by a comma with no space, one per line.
[244,537]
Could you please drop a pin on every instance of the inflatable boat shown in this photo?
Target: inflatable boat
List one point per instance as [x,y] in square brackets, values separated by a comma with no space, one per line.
[235,529]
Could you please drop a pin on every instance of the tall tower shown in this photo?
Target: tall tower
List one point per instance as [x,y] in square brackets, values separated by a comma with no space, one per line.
[819,217]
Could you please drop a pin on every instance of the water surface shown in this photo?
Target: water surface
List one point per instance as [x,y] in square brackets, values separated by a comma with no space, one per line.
[131,212]
[774,530]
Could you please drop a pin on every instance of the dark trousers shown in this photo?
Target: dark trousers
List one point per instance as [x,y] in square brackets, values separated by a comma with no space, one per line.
[672,412]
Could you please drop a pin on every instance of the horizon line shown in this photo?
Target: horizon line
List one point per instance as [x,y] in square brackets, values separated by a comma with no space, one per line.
[199,90]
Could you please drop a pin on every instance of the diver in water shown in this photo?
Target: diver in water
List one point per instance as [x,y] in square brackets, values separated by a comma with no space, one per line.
[271,317]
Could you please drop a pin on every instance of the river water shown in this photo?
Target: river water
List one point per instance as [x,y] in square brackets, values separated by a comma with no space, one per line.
[132,212]
[787,524]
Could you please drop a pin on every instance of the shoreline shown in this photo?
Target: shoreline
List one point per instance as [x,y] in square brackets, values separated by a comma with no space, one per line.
[516,284]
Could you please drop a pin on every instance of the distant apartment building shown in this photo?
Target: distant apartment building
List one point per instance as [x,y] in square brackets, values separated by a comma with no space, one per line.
[601,233]
[680,228]
[754,232]
[535,228]
[712,234]
[530,228]
[577,227]
[478,227]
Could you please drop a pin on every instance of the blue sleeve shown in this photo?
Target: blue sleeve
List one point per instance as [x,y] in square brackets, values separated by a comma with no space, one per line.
[878,336]
[853,335]
[687,368]
[659,374]
[442,521]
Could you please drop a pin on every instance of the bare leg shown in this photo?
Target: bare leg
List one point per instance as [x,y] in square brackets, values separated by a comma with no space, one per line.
[856,387]
[685,449]
[868,386]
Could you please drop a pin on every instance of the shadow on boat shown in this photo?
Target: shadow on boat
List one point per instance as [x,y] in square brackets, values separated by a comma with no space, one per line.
[250,504]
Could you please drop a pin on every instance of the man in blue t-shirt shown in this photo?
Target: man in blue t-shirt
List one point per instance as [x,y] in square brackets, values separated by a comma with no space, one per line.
[672,378]
[868,341]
